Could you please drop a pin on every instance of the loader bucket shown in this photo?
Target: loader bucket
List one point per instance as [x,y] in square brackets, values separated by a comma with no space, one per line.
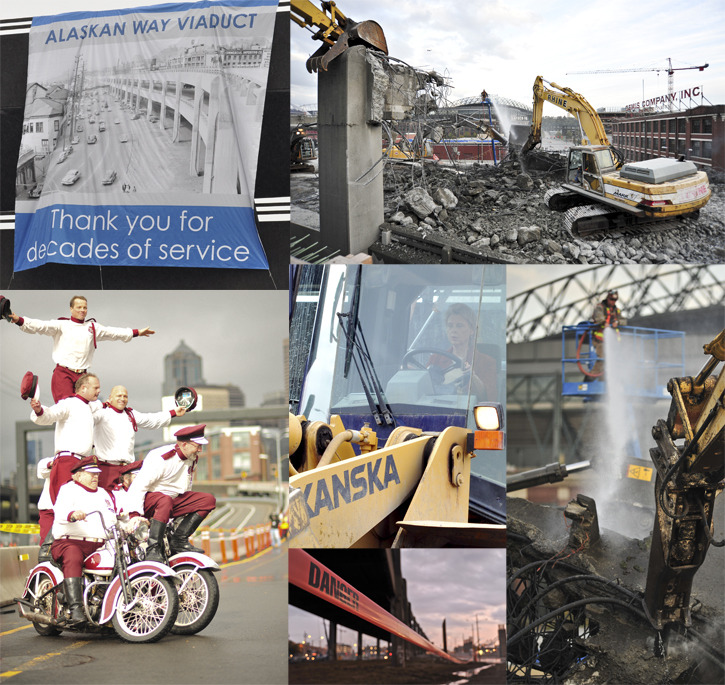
[368,33]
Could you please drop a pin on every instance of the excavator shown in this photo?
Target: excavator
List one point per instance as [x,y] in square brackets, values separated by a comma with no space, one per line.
[387,447]
[336,31]
[603,192]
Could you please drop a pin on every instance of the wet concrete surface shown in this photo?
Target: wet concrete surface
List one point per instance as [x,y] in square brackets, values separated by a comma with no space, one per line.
[418,670]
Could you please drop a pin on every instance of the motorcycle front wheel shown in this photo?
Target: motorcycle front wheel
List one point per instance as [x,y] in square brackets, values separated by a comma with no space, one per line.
[40,584]
[151,613]
[198,601]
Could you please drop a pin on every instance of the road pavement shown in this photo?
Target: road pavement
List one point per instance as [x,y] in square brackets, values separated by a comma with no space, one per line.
[245,643]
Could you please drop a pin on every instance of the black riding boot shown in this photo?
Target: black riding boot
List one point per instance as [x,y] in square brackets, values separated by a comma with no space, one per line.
[155,549]
[44,551]
[179,541]
[74,598]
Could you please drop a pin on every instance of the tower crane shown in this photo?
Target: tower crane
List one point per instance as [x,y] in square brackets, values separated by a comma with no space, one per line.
[669,69]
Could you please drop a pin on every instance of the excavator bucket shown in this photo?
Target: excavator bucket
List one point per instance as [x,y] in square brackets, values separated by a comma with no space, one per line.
[368,33]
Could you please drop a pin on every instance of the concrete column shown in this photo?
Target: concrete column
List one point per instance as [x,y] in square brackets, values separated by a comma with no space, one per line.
[163,103]
[351,194]
[177,114]
[194,152]
[359,646]
[332,642]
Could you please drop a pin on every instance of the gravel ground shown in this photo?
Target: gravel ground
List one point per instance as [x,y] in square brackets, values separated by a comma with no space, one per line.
[499,211]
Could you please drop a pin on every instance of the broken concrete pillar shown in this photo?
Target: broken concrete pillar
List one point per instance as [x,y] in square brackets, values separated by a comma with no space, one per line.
[350,165]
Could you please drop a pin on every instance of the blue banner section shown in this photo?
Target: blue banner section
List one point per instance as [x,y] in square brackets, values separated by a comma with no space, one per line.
[139,235]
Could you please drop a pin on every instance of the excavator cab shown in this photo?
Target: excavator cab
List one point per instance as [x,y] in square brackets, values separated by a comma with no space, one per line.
[398,319]
[392,365]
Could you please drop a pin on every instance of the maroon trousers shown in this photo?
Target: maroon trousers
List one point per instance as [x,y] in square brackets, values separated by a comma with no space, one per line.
[162,507]
[109,474]
[45,519]
[60,473]
[71,553]
[63,382]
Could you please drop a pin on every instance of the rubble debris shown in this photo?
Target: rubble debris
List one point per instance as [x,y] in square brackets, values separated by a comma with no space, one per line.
[502,207]
[492,208]
[575,615]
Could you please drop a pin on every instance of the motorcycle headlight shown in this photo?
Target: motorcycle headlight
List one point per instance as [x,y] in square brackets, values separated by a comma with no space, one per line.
[142,532]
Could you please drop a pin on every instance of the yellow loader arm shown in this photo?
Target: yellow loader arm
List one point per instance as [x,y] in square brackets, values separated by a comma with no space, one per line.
[336,31]
[590,124]
[414,491]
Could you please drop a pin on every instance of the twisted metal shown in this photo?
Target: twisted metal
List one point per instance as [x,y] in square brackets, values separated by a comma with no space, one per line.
[644,290]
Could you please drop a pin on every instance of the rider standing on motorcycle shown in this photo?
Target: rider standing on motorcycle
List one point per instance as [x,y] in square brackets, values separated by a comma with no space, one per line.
[162,489]
[114,433]
[76,535]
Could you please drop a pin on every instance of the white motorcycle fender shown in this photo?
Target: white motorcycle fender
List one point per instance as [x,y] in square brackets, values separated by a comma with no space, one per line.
[193,559]
[54,572]
[115,591]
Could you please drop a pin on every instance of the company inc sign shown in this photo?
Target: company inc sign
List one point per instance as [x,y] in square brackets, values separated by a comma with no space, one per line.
[666,100]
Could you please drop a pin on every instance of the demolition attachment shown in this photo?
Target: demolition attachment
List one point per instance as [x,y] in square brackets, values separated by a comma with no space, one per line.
[688,480]
[336,31]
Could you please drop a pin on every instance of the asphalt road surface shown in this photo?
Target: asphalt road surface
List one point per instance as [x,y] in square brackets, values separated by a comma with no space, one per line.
[245,643]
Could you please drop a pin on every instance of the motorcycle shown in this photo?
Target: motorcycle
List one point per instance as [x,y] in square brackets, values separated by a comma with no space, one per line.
[137,598]
[198,589]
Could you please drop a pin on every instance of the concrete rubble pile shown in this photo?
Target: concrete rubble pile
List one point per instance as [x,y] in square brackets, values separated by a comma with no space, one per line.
[501,209]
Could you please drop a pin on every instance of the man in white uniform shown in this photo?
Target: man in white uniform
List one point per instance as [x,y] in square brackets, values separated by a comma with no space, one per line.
[74,341]
[162,489]
[76,533]
[115,430]
[73,419]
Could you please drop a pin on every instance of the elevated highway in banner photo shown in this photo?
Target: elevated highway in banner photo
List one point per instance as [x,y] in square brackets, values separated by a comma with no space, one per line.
[244,643]
[109,146]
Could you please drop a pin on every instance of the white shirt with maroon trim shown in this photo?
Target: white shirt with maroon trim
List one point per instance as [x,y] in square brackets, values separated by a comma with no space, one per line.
[73,340]
[163,471]
[76,497]
[123,501]
[114,433]
[73,419]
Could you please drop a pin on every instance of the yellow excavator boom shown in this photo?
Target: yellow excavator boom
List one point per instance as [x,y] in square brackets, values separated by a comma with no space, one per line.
[590,124]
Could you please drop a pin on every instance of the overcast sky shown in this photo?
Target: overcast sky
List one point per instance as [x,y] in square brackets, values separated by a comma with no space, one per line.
[503,45]
[451,584]
[238,334]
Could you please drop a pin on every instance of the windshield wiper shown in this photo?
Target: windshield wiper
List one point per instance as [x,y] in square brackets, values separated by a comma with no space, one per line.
[356,350]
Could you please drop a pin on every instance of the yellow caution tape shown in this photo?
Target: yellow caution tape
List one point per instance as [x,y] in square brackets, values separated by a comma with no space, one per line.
[22,528]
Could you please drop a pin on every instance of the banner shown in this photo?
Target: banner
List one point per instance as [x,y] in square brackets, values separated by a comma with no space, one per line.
[141,135]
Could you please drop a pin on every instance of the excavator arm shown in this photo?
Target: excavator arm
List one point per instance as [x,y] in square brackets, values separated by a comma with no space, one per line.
[590,125]
[335,30]
[689,478]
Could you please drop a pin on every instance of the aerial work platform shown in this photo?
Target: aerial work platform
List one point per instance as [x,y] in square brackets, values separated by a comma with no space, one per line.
[653,355]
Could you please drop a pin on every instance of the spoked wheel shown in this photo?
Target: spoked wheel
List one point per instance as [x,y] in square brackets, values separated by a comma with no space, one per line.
[40,584]
[198,601]
[151,613]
